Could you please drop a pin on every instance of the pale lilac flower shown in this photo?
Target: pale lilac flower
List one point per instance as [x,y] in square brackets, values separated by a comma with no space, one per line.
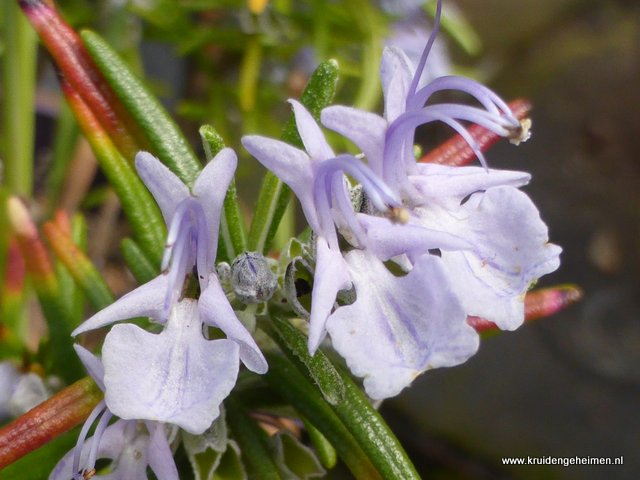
[509,246]
[317,178]
[177,376]
[394,330]
[19,391]
[132,446]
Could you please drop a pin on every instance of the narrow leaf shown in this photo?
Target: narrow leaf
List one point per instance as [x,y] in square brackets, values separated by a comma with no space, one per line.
[59,353]
[285,378]
[352,407]
[162,135]
[141,267]
[79,266]
[318,367]
[79,71]
[137,202]
[18,87]
[325,451]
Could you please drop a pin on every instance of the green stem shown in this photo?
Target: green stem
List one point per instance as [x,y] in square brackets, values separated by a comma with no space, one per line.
[19,73]
[66,136]
[370,27]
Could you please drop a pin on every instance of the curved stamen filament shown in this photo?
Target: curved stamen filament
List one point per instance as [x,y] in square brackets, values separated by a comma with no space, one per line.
[400,132]
[489,99]
[77,451]
[425,54]
[97,436]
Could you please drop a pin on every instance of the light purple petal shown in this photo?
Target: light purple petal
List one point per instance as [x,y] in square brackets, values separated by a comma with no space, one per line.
[145,301]
[330,277]
[210,188]
[441,183]
[387,240]
[367,130]
[114,445]
[511,250]
[176,376]
[216,311]
[310,133]
[396,73]
[9,377]
[167,189]
[159,454]
[399,326]
[289,164]
[132,461]
[92,364]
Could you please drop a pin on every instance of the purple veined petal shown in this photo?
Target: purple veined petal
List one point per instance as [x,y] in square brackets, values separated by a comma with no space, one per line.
[159,454]
[145,301]
[92,364]
[365,129]
[167,189]
[211,188]
[132,459]
[437,182]
[398,327]
[387,240]
[310,133]
[216,311]
[396,73]
[502,306]
[330,277]
[176,376]
[511,250]
[291,165]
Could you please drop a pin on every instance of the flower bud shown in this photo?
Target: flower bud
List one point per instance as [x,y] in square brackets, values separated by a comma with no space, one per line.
[251,278]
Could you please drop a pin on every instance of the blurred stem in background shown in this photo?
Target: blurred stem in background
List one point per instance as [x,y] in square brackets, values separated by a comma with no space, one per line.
[18,86]
[18,44]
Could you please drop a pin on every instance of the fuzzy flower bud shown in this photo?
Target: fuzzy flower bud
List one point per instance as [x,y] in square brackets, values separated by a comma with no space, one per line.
[252,279]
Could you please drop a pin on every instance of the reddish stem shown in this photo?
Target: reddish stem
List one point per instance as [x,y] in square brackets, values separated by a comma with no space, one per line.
[77,68]
[50,419]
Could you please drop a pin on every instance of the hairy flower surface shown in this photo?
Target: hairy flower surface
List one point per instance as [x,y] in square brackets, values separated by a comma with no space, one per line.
[177,376]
